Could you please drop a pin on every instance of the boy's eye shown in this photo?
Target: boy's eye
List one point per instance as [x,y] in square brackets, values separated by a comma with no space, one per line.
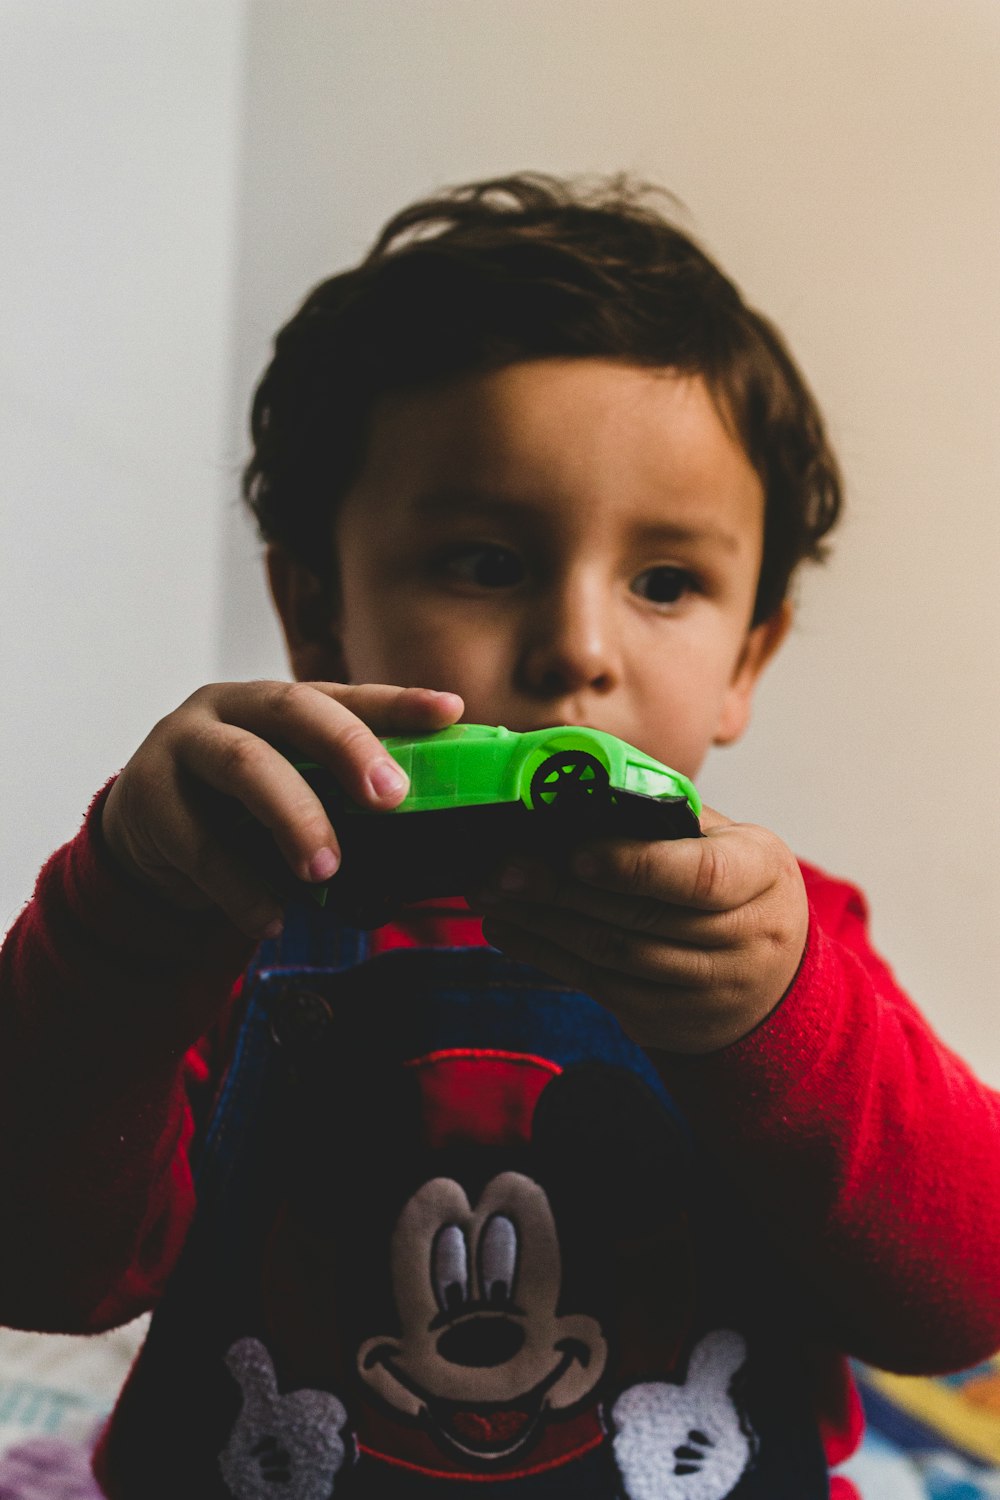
[664,585]
[486,565]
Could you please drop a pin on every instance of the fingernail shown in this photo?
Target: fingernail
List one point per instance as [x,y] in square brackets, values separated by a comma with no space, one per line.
[273,929]
[512,878]
[323,865]
[386,779]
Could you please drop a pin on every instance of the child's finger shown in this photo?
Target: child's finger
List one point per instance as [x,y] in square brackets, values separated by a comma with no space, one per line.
[391,710]
[339,725]
[243,765]
[612,951]
[732,865]
[247,904]
[198,863]
[683,890]
[646,917]
[710,819]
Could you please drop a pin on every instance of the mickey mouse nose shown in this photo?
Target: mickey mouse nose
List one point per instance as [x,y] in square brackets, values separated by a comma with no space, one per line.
[481,1343]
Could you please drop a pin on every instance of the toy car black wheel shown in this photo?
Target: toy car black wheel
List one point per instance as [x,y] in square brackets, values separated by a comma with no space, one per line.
[569,779]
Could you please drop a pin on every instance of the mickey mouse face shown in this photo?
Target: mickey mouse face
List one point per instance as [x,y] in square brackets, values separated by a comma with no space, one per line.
[482,1351]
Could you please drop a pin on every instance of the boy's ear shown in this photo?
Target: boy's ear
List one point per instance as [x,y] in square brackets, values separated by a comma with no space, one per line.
[760,645]
[308,615]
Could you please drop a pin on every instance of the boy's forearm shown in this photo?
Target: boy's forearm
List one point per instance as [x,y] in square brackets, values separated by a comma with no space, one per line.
[870,1153]
[102,994]
[97,1199]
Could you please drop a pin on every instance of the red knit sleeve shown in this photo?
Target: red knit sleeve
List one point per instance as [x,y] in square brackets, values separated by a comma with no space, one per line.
[109,1003]
[868,1148]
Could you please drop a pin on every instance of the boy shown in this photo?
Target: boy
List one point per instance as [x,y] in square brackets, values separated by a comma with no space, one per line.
[589,1200]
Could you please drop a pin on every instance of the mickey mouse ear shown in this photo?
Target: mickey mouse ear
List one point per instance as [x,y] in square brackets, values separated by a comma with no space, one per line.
[608,1141]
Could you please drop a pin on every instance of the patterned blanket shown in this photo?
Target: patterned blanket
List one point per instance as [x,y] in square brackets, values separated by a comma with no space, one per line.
[929,1439]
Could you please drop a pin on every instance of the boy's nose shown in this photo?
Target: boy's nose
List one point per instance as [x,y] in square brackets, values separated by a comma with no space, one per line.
[569,645]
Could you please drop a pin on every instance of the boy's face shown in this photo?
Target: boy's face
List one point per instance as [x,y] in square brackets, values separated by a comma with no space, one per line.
[561,541]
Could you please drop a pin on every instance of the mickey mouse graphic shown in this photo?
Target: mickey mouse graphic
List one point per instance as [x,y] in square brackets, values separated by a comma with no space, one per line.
[483,1352]
[481,1301]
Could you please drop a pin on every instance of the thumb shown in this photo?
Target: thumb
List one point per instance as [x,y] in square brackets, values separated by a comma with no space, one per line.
[250,1365]
[714,1361]
[710,819]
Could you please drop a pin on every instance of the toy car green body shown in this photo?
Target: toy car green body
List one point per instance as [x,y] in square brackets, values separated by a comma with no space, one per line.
[475,765]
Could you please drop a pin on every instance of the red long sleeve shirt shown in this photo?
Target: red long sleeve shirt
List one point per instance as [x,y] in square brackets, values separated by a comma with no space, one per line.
[872,1151]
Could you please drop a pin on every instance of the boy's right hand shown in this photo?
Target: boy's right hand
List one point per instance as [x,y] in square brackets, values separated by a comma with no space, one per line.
[160,819]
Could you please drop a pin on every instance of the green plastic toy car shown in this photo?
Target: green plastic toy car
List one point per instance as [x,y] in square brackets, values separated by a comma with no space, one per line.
[479,792]
[478,765]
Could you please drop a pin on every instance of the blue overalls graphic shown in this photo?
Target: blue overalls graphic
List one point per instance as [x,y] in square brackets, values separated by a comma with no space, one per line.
[449,1242]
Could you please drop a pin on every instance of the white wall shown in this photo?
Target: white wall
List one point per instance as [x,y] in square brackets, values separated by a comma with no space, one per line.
[841,161]
[119,124]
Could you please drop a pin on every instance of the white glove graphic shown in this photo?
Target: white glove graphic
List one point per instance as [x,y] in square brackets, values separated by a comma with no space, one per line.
[685,1442]
[281,1446]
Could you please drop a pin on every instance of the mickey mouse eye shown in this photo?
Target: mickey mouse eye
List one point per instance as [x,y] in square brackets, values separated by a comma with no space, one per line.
[450,1268]
[498,1259]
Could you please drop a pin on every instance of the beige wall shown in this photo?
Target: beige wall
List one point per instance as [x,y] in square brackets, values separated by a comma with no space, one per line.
[839,158]
[119,123]
[841,161]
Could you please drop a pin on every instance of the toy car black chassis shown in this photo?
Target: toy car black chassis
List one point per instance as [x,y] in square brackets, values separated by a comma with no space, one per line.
[391,859]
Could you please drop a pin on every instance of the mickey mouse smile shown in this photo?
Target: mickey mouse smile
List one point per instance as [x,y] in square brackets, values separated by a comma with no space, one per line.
[488,1429]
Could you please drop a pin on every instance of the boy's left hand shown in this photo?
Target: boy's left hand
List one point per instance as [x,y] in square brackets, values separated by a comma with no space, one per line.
[691,943]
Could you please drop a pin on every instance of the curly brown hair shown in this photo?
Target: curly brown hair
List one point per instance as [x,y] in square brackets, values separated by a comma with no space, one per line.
[523,268]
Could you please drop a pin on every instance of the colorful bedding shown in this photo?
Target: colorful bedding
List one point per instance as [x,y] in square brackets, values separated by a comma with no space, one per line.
[929,1439]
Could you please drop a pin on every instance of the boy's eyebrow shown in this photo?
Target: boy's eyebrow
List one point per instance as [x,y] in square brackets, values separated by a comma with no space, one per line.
[443,502]
[672,533]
